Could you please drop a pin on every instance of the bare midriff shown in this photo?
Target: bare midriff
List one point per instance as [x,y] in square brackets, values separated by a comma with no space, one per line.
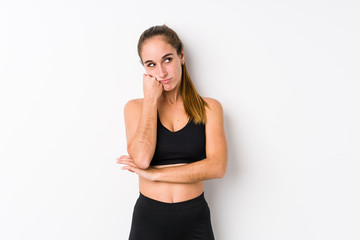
[170,192]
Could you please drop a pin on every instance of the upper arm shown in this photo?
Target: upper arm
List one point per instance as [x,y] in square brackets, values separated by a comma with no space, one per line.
[132,114]
[216,146]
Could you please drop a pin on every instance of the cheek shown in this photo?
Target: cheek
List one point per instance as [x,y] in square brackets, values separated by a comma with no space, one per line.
[180,70]
[149,71]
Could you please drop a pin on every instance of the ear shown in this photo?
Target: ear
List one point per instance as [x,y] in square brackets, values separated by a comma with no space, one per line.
[182,57]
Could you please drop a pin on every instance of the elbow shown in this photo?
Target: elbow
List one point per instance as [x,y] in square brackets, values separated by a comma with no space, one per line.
[140,159]
[141,162]
[220,171]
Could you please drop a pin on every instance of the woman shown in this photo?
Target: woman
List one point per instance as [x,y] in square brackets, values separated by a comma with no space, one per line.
[175,140]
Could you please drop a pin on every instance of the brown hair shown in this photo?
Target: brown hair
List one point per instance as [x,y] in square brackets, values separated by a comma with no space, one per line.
[193,103]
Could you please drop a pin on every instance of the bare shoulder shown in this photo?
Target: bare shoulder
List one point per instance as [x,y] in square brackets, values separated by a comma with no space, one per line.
[214,106]
[134,102]
[133,106]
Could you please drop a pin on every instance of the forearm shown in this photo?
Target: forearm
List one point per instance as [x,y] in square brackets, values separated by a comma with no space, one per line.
[194,172]
[142,145]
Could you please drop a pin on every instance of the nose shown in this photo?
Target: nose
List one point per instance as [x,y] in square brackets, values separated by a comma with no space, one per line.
[162,72]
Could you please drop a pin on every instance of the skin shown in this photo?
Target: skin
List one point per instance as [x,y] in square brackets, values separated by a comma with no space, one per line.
[177,182]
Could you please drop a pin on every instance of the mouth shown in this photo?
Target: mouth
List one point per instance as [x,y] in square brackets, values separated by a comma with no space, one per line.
[165,81]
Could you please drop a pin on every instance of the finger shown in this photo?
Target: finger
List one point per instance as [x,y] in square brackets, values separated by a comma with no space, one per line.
[151,77]
[126,162]
[130,169]
[147,76]
[124,157]
[126,168]
[123,161]
[129,165]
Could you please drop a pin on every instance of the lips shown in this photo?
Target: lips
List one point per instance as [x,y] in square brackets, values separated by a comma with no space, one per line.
[165,81]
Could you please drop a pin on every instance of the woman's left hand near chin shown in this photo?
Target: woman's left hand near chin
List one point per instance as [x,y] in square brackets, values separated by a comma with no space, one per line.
[126,160]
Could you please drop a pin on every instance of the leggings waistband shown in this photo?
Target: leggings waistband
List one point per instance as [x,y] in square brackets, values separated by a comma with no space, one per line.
[178,206]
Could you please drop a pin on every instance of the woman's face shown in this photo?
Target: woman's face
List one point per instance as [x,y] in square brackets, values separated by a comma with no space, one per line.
[161,61]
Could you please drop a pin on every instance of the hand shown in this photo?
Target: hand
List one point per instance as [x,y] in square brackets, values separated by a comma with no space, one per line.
[126,160]
[152,88]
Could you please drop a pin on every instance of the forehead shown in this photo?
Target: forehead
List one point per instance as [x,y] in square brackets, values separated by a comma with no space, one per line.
[155,48]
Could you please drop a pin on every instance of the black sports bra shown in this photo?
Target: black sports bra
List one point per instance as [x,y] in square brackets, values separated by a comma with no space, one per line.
[186,145]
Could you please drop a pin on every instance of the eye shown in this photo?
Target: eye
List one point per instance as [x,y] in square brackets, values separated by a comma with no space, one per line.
[150,65]
[168,59]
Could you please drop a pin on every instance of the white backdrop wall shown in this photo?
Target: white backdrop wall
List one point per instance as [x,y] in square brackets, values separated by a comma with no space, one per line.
[286,73]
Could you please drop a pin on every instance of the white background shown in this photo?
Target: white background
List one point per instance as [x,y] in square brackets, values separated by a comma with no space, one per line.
[286,73]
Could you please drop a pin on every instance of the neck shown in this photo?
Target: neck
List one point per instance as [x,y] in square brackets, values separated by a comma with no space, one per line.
[171,97]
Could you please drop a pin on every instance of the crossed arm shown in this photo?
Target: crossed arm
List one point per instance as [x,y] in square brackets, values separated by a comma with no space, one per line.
[213,166]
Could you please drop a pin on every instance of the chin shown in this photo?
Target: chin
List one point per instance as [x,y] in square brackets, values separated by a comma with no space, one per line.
[168,89]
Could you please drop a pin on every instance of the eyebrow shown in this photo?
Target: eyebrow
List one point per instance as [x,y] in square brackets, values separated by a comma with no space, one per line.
[165,56]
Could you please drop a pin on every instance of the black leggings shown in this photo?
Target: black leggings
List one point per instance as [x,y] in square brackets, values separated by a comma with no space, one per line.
[155,220]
